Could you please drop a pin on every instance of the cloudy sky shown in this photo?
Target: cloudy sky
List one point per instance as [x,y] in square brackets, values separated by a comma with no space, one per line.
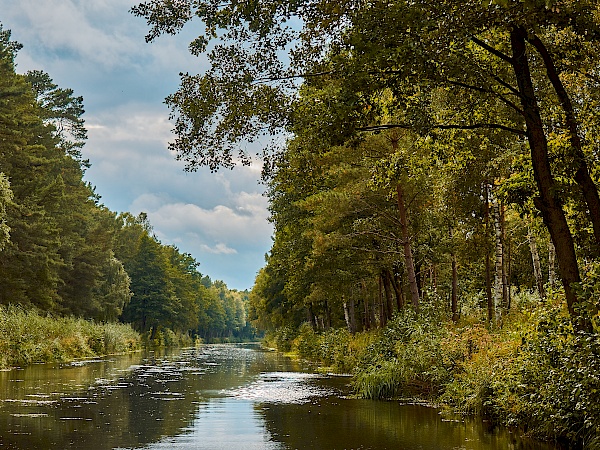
[97,48]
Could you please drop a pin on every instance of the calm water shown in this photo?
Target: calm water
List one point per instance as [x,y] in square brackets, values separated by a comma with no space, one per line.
[216,397]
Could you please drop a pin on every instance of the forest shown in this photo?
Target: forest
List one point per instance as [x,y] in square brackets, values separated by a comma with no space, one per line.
[433,185]
[64,254]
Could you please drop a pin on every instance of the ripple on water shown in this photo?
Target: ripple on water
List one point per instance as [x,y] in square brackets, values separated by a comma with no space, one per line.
[282,387]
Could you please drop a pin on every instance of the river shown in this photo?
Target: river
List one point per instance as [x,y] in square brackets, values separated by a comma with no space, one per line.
[217,397]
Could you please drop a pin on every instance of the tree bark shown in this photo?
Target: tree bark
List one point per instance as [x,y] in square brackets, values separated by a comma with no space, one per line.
[498,278]
[382,309]
[396,284]
[367,309]
[551,264]
[548,202]
[327,324]
[408,257]
[387,286]
[537,269]
[582,173]
[505,287]
[454,295]
[488,265]
[349,316]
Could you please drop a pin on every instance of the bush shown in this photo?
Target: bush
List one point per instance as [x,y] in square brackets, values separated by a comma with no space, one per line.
[554,384]
[407,359]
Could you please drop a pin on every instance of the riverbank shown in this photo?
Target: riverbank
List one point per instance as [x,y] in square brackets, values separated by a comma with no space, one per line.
[533,373]
[27,337]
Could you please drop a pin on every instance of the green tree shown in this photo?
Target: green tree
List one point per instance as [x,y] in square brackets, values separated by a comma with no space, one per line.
[489,53]
[6,196]
[151,305]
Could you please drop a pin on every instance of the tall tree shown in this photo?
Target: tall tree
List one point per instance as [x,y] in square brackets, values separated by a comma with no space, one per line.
[477,50]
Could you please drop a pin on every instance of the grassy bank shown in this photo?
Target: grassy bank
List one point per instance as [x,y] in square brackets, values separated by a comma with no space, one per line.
[533,373]
[28,337]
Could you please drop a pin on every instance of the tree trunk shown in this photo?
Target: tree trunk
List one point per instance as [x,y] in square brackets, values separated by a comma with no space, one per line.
[387,286]
[454,295]
[488,265]
[551,264]
[498,278]
[548,202]
[582,173]
[408,257]
[397,285]
[366,303]
[509,272]
[327,324]
[504,259]
[349,316]
[382,309]
[537,269]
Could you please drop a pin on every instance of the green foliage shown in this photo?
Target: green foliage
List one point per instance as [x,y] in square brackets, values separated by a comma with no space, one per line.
[68,255]
[552,384]
[406,360]
[5,198]
[27,337]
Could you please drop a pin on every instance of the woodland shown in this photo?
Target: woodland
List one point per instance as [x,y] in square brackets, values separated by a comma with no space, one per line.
[64,254]
[433,185]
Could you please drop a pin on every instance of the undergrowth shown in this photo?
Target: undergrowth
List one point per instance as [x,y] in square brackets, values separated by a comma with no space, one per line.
[534,372]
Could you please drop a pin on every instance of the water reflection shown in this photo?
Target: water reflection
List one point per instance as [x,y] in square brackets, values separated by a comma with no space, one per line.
[221,396]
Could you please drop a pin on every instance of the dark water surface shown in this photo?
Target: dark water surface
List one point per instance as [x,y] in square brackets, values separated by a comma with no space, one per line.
[216,397]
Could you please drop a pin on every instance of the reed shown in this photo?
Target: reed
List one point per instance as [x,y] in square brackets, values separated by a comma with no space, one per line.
[27,336]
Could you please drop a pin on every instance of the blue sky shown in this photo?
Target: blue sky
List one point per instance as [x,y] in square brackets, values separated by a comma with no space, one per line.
[97,48]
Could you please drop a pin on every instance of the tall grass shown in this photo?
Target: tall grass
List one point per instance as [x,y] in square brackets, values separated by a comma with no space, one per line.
[28,337]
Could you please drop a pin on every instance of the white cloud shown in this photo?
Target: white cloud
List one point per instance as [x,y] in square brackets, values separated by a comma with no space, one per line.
[220,224]
[220,248]
[133,122]
[97,48]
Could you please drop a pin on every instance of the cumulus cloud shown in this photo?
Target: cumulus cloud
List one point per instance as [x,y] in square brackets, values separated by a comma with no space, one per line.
[97,48]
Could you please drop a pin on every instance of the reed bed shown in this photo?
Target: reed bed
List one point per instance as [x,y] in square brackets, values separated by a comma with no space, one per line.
[27,336]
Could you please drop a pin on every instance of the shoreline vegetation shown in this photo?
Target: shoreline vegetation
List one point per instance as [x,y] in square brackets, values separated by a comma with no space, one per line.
[28,337]
[534,374]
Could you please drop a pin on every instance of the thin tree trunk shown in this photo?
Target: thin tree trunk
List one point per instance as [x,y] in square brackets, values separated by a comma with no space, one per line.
[504,258]
[382,309]
[537,268]
[349,316]
[327,316]
[454,296]
[488,265]
[551,264]
[387,286]
[498,279]
[397,290]
[408,256]
[367,309]
[509,273]
[548,203]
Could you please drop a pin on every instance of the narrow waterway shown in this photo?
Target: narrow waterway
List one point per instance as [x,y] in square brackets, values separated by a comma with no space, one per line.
[216,397]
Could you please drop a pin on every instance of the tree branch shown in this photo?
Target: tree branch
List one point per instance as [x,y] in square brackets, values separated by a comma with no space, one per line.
[491,126]
[492,50]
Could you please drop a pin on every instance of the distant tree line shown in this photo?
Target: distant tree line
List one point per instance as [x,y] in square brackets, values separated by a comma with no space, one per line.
[63,252]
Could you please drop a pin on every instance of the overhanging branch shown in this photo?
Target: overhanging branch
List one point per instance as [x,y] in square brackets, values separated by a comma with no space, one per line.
[475,126]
